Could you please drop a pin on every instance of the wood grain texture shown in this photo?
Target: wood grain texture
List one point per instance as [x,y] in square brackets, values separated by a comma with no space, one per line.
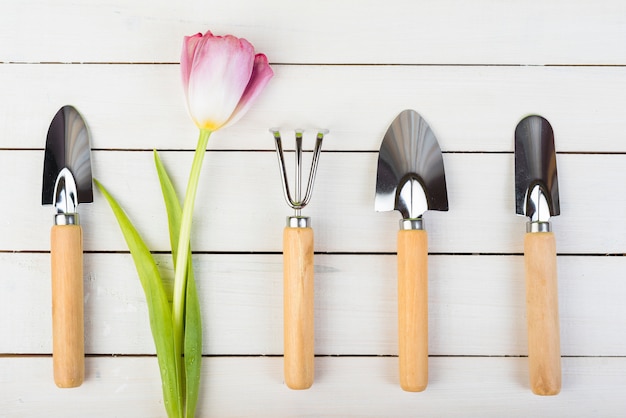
[472,69]
[477,305]
[457,102]
[68,341]
[342,205]
[347,31]
[298,307]
[542,311]
[129,386]
[413,309]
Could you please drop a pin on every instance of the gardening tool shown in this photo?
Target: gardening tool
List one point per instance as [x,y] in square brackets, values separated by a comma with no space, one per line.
[66,183]
[411,179]
[537,196]
[298,314]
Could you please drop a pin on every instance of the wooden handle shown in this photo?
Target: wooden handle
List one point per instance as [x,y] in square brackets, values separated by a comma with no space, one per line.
[542,311]
[68,351]
[413,309]
[298,307]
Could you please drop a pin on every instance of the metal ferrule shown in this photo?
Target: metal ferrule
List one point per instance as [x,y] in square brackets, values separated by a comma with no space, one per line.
[538,227]
[298,222]
[411,224]
[66,219]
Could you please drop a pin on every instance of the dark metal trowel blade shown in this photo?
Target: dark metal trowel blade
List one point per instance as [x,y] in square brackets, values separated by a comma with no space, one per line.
[535,165]
[67,146]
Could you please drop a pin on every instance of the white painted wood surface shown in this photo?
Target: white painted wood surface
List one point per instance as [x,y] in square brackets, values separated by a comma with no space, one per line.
[346,386]
[472,69]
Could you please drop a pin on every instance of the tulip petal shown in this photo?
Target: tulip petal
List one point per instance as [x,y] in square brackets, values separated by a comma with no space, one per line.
[221,69]
[186,59]
[261,75]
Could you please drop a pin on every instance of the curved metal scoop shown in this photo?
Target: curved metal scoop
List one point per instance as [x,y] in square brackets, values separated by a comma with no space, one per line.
[536,181]
[67,160]
[411,177]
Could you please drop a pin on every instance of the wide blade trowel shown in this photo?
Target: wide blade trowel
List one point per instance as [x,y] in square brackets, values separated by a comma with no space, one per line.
[411,179]
[66,183]
[537,196]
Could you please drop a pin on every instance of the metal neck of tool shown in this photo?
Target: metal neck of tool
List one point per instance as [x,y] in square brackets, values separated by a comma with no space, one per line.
[66,219]
[538,227]
[298,222]
[65,199]
[538,210]
[411,224]
[297,203]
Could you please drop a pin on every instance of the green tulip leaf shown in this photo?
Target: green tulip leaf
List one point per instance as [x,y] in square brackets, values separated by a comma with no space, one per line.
[172,204]
[192,345]
[158,307]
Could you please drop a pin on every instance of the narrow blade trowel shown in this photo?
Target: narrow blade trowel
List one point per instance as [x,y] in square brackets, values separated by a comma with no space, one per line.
[411,179]
[537,196]
[66,183]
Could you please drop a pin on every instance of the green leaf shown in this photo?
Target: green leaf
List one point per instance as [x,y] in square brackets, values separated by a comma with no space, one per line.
[158,307]
[172,204]
[192,344]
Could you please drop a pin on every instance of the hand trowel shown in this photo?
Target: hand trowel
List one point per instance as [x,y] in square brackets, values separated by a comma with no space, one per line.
[537,196]
[411,179]
[66,183]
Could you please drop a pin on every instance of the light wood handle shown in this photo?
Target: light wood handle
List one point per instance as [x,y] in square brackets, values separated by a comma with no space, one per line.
[298,307]
[542,312]
[68,351]
[413,309]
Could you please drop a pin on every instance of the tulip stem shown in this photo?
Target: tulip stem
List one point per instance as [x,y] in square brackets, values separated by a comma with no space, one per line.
[180,277]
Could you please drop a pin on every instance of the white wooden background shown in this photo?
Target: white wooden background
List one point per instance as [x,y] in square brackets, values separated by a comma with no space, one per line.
[472,69]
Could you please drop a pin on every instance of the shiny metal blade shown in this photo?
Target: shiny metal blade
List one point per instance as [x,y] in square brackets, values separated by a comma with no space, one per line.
[536,181]
[411,177]
[67,146]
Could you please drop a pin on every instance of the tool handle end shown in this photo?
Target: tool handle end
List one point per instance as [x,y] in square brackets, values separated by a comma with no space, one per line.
[413,309]
[298,306]
[542,312]
[68,351]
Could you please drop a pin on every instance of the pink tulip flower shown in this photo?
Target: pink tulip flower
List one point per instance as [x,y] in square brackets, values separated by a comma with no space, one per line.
[222,77]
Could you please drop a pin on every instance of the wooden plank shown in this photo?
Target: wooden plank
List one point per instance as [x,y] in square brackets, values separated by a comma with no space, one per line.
[240,195]
[469,108]
[477,305]
[472,70]
[345,387]
[394,32]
